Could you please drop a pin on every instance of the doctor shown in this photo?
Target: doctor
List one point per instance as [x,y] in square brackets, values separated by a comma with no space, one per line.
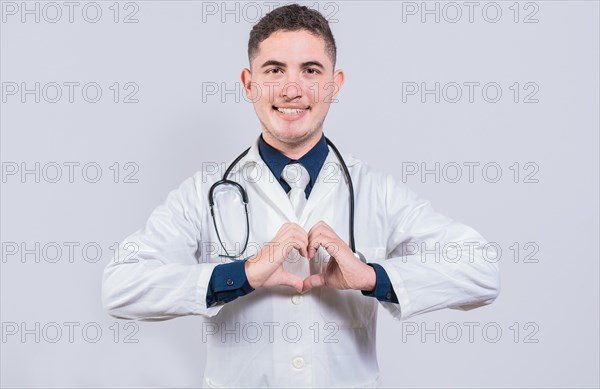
[295,307]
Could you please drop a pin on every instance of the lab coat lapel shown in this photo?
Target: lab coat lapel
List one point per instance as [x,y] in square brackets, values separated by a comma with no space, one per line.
[260,180]
[329,178]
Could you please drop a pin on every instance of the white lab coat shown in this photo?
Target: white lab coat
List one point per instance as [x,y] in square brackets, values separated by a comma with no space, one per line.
[275,337]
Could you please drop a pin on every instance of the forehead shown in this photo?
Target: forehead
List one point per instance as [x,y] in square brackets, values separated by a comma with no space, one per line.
[293,46]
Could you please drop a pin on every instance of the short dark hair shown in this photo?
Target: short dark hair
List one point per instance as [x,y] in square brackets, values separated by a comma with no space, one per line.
[292,17]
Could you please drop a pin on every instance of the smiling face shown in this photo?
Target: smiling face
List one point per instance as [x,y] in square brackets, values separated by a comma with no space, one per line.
[292,84]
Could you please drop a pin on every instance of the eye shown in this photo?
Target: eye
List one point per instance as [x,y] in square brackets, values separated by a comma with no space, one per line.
[312,71]
[274,71]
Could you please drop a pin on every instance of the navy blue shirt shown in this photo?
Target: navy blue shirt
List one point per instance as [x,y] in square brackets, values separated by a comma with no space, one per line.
[228,281]
[312,161]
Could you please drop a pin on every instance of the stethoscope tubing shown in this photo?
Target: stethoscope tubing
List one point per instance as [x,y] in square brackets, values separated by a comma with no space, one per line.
[226,181]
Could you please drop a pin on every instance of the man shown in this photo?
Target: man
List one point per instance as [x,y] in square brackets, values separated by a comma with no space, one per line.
[300,310]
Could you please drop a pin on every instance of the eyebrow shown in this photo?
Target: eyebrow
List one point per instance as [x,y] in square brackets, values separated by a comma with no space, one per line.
[273,62]
[313,63]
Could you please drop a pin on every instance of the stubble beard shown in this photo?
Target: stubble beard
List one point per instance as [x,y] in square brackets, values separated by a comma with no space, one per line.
[296,142]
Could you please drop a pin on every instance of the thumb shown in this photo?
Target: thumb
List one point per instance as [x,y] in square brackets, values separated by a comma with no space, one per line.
[292,280]
[313,281]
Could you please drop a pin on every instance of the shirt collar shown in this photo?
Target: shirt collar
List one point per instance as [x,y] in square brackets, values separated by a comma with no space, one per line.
[313,160]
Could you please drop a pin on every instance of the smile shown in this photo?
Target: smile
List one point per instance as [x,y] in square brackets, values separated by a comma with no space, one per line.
[291,113]
[291,110]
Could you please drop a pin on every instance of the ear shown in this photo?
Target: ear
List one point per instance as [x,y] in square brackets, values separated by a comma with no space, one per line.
[246,78]
[338,80]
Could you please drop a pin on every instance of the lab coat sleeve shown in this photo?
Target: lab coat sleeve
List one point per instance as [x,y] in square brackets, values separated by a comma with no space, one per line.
[156,273]
[452,273]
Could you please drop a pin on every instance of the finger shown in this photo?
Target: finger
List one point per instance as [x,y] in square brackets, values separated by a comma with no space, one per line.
[278,240]
[284,227]
[319,228]
[332,248]
[303,250]
[300,246]
[323,228]
[314,236]
[330,243]
[321,234]
[299,238]
[288,228]
[313,281]
[283,239]
[313,247]
[294,241]
[313,228]
[303,241]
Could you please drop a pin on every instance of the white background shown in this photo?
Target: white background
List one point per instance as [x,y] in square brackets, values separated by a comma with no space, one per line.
[176,50]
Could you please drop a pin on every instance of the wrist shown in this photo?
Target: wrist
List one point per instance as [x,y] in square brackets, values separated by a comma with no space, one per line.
[371,279]
[248,271]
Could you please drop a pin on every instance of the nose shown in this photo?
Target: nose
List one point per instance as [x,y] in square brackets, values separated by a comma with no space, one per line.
[292,89]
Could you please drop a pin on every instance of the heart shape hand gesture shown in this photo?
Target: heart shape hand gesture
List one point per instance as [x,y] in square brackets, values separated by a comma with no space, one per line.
[343,271]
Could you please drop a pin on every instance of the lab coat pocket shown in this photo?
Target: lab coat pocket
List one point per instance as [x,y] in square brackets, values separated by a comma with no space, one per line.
[349,308]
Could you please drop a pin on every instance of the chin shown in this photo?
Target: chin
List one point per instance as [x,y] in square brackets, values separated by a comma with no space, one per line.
[290,133]
[293,135]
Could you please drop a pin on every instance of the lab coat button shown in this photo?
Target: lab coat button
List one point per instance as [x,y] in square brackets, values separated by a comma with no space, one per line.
[298,362]
[229,281]
[297,299]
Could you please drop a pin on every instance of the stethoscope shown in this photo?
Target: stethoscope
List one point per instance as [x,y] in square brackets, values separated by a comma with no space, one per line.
[244,195]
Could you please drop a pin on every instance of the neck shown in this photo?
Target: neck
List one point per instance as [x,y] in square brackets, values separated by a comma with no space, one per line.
[292,150]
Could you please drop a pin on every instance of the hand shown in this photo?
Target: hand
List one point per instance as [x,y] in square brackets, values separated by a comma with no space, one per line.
[344,270]
[265,269]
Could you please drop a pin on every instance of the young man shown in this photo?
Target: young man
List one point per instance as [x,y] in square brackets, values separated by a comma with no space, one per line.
[301,309]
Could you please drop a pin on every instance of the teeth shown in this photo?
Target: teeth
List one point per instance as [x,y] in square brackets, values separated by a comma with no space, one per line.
[290,110]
